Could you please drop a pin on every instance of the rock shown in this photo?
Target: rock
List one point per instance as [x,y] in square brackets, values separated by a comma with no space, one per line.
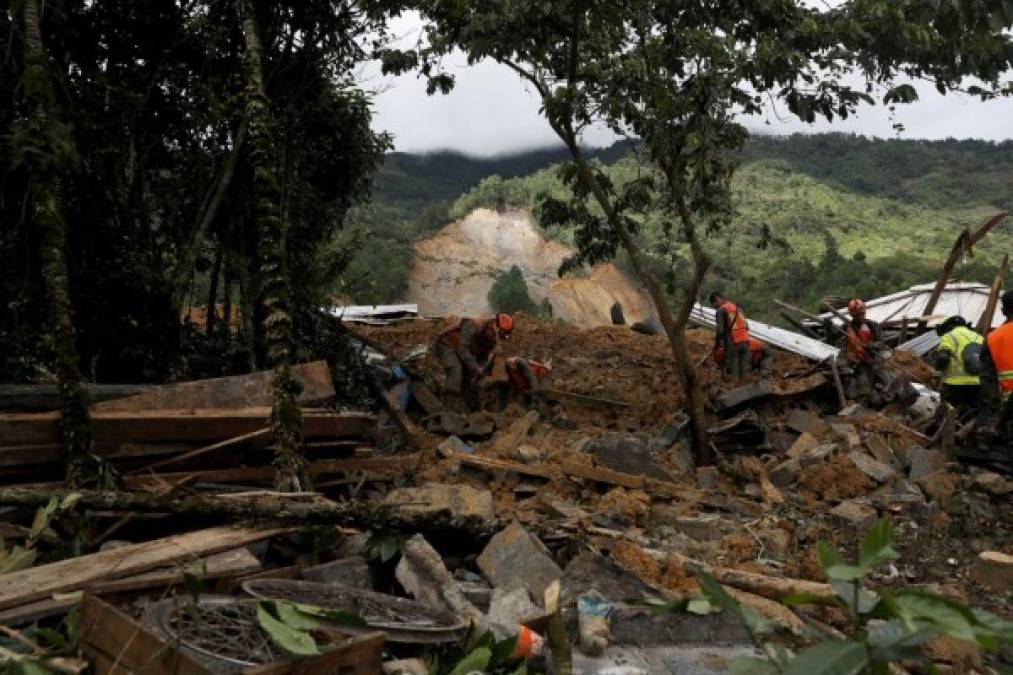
[479,593]
[627,453]
[804,421]
[776,543]
[785,473]
[509,609]
[584,444]
[352,572]
[750,393]
[559,508]
[852,410]
[477,426]
[514,558]
[461,500]
[939,486]
[529,454]
[818,455]
[882,451]
[923,462]
[422,573]
[508,439]
[707,477]
[854,514]
[905,491]
[661,660]
[405,667]
[561,421]
[701,528]
[676,429]
[452,446]
[871,467]
[991,483]
[962,656]
[355,545]
[848,435]
[993,570]
[803,444]
[589,569]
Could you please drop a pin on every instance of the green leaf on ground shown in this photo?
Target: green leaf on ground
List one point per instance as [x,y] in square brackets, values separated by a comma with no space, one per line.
[290,639]
[834,657]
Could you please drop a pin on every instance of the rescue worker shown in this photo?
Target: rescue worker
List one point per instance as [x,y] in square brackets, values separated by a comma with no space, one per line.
[524,377]
[731,334]
[997,381]
[761,357]
[958,363]
[860,338]
[466,352]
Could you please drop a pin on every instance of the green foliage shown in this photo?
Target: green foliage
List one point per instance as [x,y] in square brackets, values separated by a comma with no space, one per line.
[290,625]
[484,655]
[509,293]
[885,626]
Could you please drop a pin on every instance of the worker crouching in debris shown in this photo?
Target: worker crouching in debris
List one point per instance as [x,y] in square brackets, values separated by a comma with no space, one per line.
[466,352]
[995,423]
[761,357]
[861,342]
[958,363]
[524,378]
[732,335]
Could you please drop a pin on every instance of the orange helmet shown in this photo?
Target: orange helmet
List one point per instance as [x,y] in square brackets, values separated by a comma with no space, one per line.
[505,324]
[856,307]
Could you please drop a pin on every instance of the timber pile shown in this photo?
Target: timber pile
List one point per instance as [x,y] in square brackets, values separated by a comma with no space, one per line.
[473,517]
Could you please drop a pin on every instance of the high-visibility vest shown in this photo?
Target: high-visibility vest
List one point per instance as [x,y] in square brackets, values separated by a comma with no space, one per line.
[485,337]
[1000,346]
[517,380]
[955,342]
[736,322]
[857,341]
[755,351]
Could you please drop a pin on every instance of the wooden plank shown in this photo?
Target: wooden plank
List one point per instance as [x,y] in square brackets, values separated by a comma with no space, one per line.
[39,397]
[221,565]
[985,320]
[411,433]
[254,439]
[176,425]
[236,391]
[32,455]
[36,583]
[107,631]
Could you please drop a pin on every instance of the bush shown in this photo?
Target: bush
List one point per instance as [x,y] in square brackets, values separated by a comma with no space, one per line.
[509,293]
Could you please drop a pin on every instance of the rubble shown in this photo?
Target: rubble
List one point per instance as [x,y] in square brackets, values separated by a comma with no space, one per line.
[853,514]
[515,558]
[873,468]
[422,573]
[460,500]
[994,570]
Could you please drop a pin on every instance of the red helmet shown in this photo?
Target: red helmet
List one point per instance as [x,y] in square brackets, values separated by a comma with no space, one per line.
[505,324]
[856,307]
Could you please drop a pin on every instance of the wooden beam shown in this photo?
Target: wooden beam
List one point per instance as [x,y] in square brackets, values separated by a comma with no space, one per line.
[799,325]
[40,397]
[73,574]
[254,439]
[985,320]
[30,455]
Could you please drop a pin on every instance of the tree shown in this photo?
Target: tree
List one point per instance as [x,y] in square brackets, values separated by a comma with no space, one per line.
[673,73]
[46,150]
[509,293]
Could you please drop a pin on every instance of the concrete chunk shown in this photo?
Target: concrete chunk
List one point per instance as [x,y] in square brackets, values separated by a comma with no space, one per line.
[848,435]
[804,421]
[939,486]
[627,453]
[803,445]
[509,609]
[853,514]
[785,473]
[422,573]
[871,467]
[881,450]
[818,455]
[923,462]
[515,558]
[461,500]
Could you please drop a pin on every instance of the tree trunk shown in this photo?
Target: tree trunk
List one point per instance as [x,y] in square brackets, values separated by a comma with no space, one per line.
[44,135]
[674,328]
[286,417]
[212,309]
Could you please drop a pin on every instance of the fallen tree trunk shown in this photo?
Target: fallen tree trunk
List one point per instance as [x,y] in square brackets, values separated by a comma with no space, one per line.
[303,508]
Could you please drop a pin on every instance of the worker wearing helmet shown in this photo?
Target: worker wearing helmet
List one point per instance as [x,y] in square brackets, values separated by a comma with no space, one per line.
[466,351]
[860,347]
[761,358]
[523,378]
[958,363]
[731,333]
[997,381]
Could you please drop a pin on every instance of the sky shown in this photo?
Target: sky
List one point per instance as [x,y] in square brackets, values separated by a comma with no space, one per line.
[490,111]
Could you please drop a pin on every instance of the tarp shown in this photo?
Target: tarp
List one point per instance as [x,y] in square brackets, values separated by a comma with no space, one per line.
[375,314]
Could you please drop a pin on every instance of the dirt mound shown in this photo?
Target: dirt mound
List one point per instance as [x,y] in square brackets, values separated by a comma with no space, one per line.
[454,269]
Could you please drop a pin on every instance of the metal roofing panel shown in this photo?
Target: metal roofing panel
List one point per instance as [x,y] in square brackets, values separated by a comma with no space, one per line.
[921,345]
[967,299]
[772,335]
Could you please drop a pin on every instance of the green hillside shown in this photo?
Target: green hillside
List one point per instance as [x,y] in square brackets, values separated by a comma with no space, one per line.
[849,216]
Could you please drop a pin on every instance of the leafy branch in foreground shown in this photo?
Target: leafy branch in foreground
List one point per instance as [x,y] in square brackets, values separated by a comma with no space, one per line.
[884,626]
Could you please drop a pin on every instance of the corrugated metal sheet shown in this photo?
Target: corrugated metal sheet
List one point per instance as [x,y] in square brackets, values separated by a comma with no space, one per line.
[377,314]
[959,297]
[772,335]
[921,345]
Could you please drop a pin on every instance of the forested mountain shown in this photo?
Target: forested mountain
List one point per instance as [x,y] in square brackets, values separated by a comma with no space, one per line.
[814,214]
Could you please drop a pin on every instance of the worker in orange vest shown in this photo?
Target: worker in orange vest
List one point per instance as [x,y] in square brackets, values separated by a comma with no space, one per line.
[524,377]
[466,350]
[731,334]
[861,344]
[761,358]
[997,379]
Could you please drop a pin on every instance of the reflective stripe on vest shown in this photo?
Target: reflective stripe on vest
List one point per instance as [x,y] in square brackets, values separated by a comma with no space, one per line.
[1000,346]
[857,341]
[956,342]
[736,323]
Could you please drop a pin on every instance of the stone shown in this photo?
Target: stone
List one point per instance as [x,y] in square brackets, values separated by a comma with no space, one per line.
[479,593]
[960,656]
[700,528]
[854,514]
[507,610]
[848,435]
[707,477]
[475,426]
[750,393]
[871,467]
[461,500]
[421,572]
[352,572]
[590,569]
[804,421]
[818,455]
[776,543]
[991,483]
[508,439]
[529,454]
[405,667]
[904,491]
[803,444]
[627,453]
[923,462]
[675,430]
[452,446]
[785,473]
[559,508]
[939,486]
[879,449]
[584,444]
[515,558]
[851,410]
[993,570]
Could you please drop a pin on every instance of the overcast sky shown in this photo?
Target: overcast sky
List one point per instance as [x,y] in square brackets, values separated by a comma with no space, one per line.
[490,111]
